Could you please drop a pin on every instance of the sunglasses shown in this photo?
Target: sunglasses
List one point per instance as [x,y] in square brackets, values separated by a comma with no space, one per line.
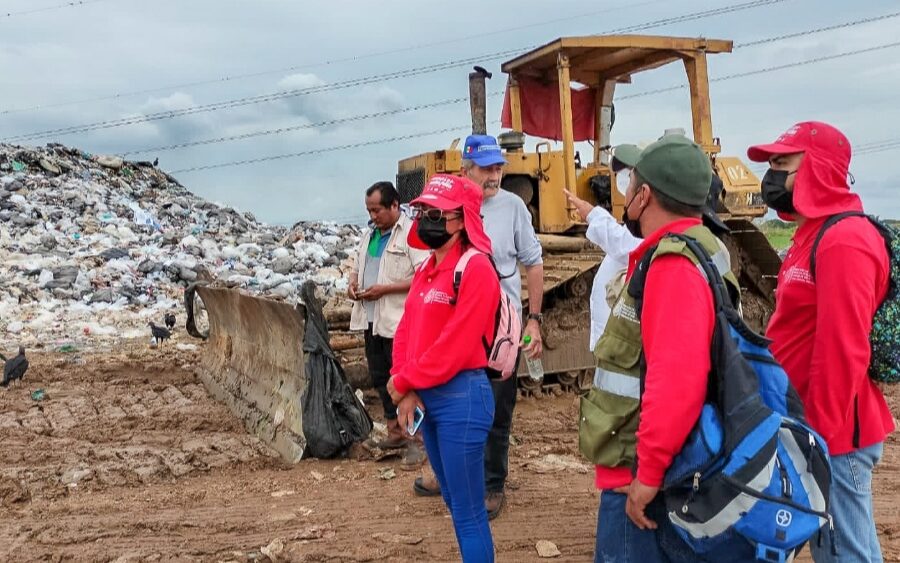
[434,215]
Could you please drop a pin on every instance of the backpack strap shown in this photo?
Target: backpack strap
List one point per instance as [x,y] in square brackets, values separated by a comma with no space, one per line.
[721,296]
[825,226]
[886,233]
[470,253]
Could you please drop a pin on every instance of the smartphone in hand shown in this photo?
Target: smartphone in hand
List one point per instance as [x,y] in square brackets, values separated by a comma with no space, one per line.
[418,416]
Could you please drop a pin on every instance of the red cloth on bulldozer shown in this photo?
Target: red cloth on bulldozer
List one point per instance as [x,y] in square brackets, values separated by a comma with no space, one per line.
[540,110]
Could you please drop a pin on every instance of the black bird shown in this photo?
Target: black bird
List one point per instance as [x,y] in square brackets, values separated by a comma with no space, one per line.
[156,161]
[170,320]
[159,333]
[14,368]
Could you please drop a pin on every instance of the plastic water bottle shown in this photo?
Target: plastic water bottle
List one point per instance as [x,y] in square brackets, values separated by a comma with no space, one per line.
[535,367]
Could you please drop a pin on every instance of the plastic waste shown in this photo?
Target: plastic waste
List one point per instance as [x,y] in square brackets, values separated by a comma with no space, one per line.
[142,217]
[333,419]
[535,367]
[45,277]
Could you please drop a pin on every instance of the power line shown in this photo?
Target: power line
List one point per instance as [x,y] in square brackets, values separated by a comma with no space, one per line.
[257,99]
[819,30]
[877,147]
[492,94]
[251,100]
[49,8]
[239,102]
[767,69]
[859,150]
[281,130]
[648,93]
[355,58]
[321,150]
[462,100]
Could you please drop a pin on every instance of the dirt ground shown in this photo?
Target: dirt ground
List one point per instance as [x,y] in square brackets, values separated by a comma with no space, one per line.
[128,459]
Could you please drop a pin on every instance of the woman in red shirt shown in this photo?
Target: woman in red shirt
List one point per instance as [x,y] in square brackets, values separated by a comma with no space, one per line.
[440,353]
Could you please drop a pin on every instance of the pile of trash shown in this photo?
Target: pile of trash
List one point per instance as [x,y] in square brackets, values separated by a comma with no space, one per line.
[97,246]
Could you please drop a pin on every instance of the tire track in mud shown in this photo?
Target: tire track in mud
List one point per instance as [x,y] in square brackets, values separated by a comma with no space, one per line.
[175,478]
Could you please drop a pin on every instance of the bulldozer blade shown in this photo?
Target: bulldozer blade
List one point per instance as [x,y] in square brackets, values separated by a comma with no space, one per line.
[253,362]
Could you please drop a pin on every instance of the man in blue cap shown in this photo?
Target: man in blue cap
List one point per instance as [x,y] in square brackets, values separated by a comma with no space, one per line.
[508,224]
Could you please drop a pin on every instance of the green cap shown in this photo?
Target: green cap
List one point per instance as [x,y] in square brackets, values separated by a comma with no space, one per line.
[625,156]
[677,167]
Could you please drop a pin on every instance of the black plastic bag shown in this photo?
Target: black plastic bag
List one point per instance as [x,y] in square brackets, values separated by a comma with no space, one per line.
[333,418]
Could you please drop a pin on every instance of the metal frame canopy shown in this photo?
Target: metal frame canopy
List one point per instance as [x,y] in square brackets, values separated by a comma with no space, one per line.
[602,57]
[601,61]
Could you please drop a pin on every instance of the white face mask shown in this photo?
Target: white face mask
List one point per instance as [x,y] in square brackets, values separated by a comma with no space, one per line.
[623,178]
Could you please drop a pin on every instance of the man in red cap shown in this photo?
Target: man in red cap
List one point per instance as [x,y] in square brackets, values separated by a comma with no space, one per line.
[820,328]
[440,352]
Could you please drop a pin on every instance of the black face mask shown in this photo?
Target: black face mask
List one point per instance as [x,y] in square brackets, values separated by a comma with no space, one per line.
[633,225]
[774,192]
[433,233]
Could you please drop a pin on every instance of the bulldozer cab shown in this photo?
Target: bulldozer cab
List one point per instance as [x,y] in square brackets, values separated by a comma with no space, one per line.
[598,64]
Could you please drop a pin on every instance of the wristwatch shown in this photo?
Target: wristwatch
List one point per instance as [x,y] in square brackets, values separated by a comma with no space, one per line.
[536,317]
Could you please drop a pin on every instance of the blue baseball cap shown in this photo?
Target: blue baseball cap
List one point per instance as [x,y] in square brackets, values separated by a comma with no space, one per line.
[483,150]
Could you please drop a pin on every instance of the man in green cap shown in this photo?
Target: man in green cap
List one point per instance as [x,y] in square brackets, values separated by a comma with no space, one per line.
[646,427]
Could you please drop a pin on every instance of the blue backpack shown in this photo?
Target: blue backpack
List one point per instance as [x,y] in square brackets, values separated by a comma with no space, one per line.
[751,469]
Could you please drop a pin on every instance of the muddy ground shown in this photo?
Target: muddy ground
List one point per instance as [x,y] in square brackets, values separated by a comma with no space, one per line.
[127,459]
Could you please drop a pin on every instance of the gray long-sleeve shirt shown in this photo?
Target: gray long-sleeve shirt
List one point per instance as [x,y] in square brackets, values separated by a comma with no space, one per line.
[508,224]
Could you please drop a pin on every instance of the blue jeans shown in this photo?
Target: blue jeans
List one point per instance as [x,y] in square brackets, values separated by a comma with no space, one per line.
[458,416]
[620,541]
[851,508]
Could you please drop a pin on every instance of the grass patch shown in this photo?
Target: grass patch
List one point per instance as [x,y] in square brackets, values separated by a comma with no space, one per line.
[778,232]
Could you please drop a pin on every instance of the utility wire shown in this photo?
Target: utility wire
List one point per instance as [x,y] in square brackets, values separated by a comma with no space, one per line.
[858,150]
[322,150]
[819,30]
[294,68]
[281,130]
[767,69]
[877,147]
[492,94]
[651,92]
[637,27]
[365,80]
[250,100]
[49,8]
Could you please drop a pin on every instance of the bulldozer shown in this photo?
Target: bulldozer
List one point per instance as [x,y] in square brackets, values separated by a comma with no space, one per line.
[564,91]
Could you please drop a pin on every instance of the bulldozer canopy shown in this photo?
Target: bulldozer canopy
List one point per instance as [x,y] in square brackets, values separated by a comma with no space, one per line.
[595,59]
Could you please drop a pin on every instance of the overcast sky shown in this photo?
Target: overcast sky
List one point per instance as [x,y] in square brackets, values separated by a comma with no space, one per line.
[105,48]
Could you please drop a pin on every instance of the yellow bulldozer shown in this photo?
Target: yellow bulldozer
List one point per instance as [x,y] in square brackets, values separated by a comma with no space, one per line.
[253,360]
[580,74]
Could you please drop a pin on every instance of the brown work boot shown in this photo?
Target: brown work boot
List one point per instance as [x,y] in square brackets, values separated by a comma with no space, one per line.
[395,438]
[414,456]
[494,502]
[427,485]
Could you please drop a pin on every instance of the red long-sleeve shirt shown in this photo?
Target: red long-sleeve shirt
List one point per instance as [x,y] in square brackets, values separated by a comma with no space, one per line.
[436,340]
[820,330]
[676,330]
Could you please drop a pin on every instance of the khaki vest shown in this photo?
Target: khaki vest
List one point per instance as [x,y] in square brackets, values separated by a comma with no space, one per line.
[610,412]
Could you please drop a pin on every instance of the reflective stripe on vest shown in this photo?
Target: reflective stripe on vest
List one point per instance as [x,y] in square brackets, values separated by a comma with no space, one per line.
[617,383]
[722,261]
